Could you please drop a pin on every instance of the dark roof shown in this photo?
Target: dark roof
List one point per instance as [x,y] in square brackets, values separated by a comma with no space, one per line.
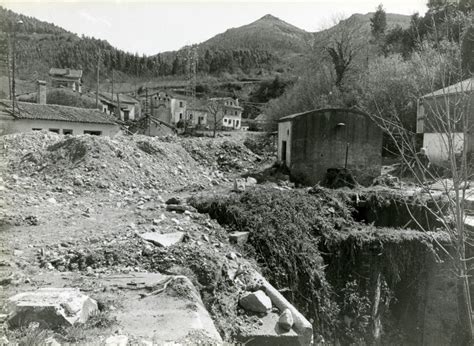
[316,111]
[464,86]
[123,98]
[197,105]
[55,112]
[65,72]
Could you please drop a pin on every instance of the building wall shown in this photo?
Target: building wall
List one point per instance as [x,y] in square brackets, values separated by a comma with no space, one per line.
[318,143]
[194,114]
[284,134]
[437,145]
[176,110]
[9,125]
[232,121]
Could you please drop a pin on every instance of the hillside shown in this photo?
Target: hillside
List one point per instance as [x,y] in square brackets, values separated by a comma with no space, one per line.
[256,49]
[357,27]
[268,33]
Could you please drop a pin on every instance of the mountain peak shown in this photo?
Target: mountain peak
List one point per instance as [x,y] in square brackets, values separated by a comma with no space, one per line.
[269,17]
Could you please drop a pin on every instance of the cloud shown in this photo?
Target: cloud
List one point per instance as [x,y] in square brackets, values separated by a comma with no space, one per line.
[87,16]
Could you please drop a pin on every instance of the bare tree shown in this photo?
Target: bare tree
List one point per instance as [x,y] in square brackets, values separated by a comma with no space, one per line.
[215,110]
[447,118]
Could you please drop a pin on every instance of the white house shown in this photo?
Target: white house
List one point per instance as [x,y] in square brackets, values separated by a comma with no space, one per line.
[130,108]
[454,102]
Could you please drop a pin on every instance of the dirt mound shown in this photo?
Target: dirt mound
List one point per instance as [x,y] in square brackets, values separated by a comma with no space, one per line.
[102,162]
[221,154]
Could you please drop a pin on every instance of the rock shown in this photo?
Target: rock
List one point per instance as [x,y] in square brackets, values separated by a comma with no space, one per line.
[251,181]
[286,320]
[256,301]
[180,208]
[51,200]
[117,340]
[51,307]
[165,240]
[173,200]
[239,238]
[4,341]
[239,185]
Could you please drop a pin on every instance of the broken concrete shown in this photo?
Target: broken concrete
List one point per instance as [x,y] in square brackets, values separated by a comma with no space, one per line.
[162,318]
[270,332]
[50,307]
[239,238]
[286,320]
[256,301]
[165,240]
[117,340]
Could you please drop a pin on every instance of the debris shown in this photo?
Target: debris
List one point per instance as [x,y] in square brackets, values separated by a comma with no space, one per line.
[251,181]
[51,307]
[256,301]
[239,238]
[173,200]
[117,340]
[286,320]
[165,240]
[239,185]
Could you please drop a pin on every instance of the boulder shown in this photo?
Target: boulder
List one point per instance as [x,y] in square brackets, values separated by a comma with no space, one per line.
[256,301]
[50,307]
[239,238]
[251,181]
[173,200]
[180,208]
[239,185]
[165,240]
[286,320]
[117,340]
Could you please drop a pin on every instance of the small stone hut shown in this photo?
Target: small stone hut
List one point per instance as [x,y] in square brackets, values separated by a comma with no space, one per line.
[312,142]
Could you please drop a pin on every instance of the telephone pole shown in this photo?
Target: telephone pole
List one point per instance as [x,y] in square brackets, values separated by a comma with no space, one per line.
[97,82]
[13,92]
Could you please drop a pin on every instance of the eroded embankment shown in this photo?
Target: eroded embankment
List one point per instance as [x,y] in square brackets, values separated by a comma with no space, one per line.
[355,281]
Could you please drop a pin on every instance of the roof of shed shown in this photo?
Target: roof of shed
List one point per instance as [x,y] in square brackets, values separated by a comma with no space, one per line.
[65,72]
[320,111]
[37,111]
[461,87]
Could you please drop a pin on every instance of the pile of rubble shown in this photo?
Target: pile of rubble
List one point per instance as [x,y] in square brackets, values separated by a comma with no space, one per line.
[221,154]
[102,162]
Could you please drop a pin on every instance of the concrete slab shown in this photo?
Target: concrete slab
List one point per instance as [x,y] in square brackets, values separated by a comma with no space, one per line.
[165,240]
[239,238]
[51,307]
[166,317]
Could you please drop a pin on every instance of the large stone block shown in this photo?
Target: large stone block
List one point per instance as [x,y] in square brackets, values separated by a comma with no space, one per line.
[256,301]
[50,307]
[165,240]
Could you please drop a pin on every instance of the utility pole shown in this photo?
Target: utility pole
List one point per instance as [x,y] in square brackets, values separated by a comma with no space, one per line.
[13,92]
[112,84]
[97,82]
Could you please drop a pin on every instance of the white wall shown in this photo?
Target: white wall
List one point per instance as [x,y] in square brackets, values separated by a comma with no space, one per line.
[231,120]
[437,145]
[9,125]
[284,134]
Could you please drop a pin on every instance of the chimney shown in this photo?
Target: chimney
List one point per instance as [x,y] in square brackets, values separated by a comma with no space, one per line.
[41,97]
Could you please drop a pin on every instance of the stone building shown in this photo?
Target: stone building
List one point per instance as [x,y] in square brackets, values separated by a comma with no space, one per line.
[66,78]
[312,142]
[55,118]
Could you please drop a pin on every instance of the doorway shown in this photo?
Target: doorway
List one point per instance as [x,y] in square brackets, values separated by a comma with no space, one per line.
[283,151]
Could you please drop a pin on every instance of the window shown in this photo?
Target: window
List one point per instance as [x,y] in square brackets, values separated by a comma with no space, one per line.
[180,116]
[93,133]
[67,132]
[54,130]
[181,103]
[190,116]
[36,129]
[236,123]
[235,113]
[225,111]
[225,121]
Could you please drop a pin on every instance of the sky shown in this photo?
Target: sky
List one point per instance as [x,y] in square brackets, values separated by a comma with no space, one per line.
[150,27]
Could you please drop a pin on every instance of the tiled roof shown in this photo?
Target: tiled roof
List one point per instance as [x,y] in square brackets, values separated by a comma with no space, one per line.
[65,72]
[464,86]
[197,105]
[55,112]
[123,98]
